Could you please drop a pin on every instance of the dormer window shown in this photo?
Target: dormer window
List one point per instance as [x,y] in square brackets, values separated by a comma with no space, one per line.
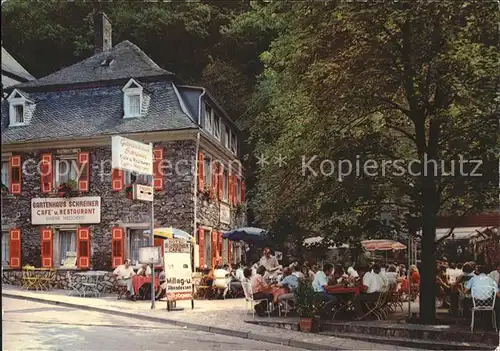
[132,99]
[17,111]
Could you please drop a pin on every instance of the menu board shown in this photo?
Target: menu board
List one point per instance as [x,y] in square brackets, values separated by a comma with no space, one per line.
[178,269]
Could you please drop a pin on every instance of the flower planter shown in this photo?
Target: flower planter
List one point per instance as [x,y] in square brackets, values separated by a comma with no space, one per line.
[306,325]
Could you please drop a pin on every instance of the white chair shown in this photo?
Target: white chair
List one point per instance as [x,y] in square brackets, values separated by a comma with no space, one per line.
[72,285]
[283,300]
[247,289]
[483,299]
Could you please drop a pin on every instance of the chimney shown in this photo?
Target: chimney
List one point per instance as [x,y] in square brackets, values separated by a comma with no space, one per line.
[102,32]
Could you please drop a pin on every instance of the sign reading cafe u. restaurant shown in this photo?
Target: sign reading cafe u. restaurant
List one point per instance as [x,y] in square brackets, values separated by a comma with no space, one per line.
[74,210]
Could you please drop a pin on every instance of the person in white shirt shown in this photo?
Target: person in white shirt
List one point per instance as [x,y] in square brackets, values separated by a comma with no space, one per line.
[297,272]
[391,275]
[221,277]
[145,270]
[320,284]
[495,275]
[270,262]
[124,274]
[453,273]
[372,286]
[352,273]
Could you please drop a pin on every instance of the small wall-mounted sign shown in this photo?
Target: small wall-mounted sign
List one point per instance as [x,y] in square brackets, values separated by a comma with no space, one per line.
[143,192]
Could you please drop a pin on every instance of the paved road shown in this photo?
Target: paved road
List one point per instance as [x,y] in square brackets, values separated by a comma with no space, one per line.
[36,326]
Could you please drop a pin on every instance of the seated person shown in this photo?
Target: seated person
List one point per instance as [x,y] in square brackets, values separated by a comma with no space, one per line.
[145,270]
[297,271]
[392,276]
[337,279]
[476,286]
[289,281]
[370,291]
[221,279]
[320,285]
[261,290]
[162,285]
[124,274]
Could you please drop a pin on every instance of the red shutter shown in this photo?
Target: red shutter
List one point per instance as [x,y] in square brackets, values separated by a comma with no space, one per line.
[201,246]
[46,173]
[219,247]
[117,246]
[117,179]
[84,171]
[219,181]
[201,171]
[158,168]
[15,174]
[213,188]
[235,190]
[83,248]
[47,248]
[243,191]
[15,248]
[215,252]
[230,189]
[229,251]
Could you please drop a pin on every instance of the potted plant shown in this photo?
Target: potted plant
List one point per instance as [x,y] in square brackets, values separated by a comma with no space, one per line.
[67,189]
[206,194]
[5,189]
[129,188]
[304,304]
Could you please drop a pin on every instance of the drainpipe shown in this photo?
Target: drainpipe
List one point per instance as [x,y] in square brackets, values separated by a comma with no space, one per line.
[195,198]
[199,105]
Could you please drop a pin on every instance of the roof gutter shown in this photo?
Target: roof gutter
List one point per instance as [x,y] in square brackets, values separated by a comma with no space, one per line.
[199,105]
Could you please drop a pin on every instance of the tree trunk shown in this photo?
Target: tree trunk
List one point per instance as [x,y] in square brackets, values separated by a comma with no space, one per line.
[428,270]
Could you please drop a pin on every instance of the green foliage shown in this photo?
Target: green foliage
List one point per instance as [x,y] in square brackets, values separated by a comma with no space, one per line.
[304,298]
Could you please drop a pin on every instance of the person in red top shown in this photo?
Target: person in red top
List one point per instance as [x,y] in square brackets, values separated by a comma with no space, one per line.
[414,275]
[261,290]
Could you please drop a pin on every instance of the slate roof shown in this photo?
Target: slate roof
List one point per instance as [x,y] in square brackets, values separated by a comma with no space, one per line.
[95,111]
[128,62]
[10,65]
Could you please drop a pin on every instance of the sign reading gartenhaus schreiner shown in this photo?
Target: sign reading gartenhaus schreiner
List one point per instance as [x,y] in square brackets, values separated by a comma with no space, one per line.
[74,210]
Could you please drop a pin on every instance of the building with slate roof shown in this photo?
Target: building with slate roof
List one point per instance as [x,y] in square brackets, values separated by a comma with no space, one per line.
[12,72]
[63,204]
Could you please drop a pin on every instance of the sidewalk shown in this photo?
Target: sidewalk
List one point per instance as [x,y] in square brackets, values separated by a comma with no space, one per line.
[225,317]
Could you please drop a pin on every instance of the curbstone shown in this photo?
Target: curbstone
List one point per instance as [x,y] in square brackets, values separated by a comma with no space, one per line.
[215,330]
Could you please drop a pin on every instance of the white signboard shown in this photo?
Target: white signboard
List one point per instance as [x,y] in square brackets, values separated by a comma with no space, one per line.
[73,210]
[178,269]
[143,192]
[130,155]
[225,214]
[150,255]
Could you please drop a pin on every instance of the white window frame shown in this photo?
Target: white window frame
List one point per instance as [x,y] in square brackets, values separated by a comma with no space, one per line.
[216,126]
[73,162]
[234,143]
[208,168]
[225,186]
[129,245]
[6,238]
[16,99]
[57,245]
[207,250]
[227,137]
[128,92]
[208,121]
[7,173]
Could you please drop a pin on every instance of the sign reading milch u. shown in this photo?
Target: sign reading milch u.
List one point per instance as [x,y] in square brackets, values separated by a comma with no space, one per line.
[73,210]
[130,155]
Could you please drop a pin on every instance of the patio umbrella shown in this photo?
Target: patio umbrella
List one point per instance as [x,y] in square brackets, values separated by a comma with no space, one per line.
[169,233]
[248,234]
[382,245]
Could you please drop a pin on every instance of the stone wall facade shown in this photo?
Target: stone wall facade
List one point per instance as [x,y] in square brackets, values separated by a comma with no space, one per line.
[173,206]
